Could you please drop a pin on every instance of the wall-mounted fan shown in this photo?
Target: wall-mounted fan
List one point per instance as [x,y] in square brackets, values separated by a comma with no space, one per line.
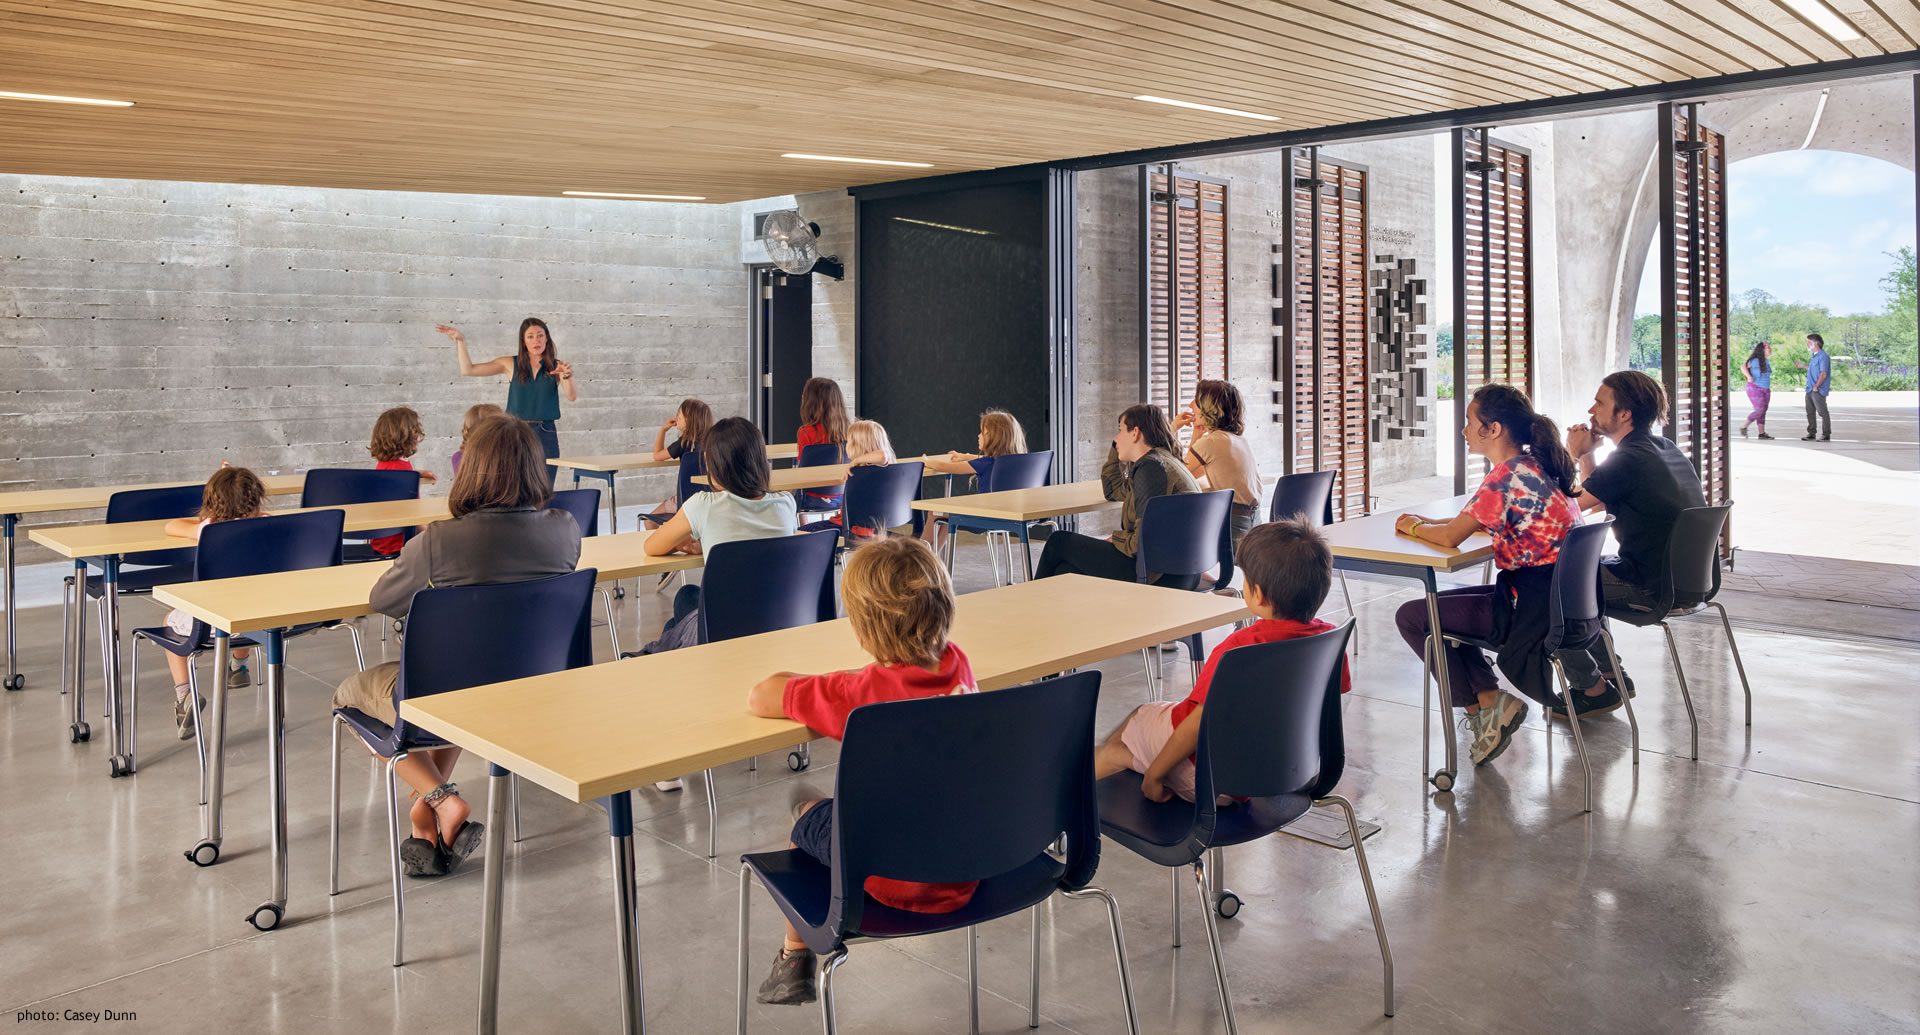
[794,245]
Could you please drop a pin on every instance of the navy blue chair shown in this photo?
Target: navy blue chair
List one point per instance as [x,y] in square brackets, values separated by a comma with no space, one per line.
[232,549]
[755,586]
[880,497]
[821,455]
[1009,472]
[584,505]
[1270,734]
[899,812]
[1181,537]
[1573,618]
[684,486]
[156,567]
[1307,495]
[1689,587]
[460,637]
[339,486]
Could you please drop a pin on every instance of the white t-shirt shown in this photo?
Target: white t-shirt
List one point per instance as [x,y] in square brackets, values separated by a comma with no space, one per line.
[722,517]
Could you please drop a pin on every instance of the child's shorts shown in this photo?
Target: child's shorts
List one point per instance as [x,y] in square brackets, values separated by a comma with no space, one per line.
[813,832]
[1145,732]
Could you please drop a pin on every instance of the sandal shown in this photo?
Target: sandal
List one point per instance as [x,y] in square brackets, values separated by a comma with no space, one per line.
[420,857]
[466,841]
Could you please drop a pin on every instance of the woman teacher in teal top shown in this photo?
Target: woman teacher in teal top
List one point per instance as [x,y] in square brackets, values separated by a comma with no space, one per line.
[538,378]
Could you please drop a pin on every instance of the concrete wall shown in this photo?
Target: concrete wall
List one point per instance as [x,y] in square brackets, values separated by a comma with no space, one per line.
[149,330]
[1402,223]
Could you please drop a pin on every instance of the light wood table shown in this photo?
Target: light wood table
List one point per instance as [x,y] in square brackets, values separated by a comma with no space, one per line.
[1015,510]
[606,466]
[1369,544]
[267,606]
[26,502]
[794,479]
[600,732]
[103,545]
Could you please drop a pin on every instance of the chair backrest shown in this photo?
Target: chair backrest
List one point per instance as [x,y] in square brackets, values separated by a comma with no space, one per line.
[1309,493]
[583,504]
[1019,471]
[176,501]
[1271,724]
[1693,556]
[822,454]
[691,467]
[258,546]
[903,808]
[336,486]
[466,636]
[1180,537]
[1575,602]
[882,497]
[751,586]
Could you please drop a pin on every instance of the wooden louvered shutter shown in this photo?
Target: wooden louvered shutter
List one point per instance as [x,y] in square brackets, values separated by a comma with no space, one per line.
[1323,294]
[1185,284]
[1493,301]
[1694,330]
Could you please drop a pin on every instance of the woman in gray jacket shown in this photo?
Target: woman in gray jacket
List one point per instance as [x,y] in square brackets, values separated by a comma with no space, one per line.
[501,531]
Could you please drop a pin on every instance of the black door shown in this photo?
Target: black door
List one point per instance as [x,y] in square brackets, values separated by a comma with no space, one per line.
[786,349]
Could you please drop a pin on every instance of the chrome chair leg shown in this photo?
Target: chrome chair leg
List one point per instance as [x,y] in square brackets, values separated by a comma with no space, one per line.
[199,735]
[1673,651]
[1146,665]
[1175,874]
[1033,981]
[359,654]
[333,812]
[513,794]
[1426,710]
[1738,664]
[1573,722]
[713,810]
[66,632]
[613,628]
[133,713]
[1373,901]
[1119,951]
[973,981]
[1213,942]
[746,904]
[1613,658]
[393,852]
[827,968]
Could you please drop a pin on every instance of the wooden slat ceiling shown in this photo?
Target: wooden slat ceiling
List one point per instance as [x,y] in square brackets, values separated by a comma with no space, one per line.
[701,98]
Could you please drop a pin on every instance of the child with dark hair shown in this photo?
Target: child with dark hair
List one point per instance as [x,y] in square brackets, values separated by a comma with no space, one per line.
[231,494]
[1140,465]
[1288,568]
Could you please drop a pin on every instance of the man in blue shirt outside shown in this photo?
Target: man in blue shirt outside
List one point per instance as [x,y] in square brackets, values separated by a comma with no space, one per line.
[1819,383]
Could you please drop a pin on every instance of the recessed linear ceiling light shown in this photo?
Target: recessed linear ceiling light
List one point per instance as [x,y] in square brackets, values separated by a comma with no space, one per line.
[636,197]
[1207,107]
[859,161]
[56,99]
[1824,19]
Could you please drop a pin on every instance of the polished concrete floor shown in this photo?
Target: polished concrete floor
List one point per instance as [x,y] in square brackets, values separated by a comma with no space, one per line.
[1770,886]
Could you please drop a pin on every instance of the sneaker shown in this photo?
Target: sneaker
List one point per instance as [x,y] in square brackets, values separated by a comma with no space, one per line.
[1607,700]
[183,717]
[239,677]
[675,784]
[1498,726]
[1743,430]
[1826,438]
[1807,438]
[790,983]
[1764,437]
[420,857]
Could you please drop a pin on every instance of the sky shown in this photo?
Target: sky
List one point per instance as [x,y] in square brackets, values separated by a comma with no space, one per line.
[1813,227]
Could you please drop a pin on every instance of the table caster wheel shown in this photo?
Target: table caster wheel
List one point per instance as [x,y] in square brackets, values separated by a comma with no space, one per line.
[798,762]
[206,853]
[267,917]
[619,592]
[119,765]
[1442,780]
[1226,904]
[80,732]
[16,681]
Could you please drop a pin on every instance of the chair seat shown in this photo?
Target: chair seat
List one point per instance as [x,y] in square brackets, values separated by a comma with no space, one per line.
[183,645]
[361,553]
[1644,617]
[802,887]
[379,736]
[964,523]
[1471,641]
[1159,831]
[141,580]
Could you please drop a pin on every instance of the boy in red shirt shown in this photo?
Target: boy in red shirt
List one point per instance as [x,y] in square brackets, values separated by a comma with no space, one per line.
[397,435]
[900,603]
[1288,570]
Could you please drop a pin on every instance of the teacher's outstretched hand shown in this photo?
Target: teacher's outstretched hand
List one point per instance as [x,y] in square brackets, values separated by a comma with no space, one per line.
[537,379]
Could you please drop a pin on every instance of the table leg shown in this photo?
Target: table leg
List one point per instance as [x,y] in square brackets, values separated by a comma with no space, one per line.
[1442,779]
[266,916]
[627,920]
[121,762]
[613,523]
[207,851]
[492,886]
[77,728]
[14,680]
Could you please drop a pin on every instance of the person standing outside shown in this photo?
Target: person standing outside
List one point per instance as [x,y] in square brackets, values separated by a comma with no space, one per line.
[538,380]
[1819,383]
[1759,388]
